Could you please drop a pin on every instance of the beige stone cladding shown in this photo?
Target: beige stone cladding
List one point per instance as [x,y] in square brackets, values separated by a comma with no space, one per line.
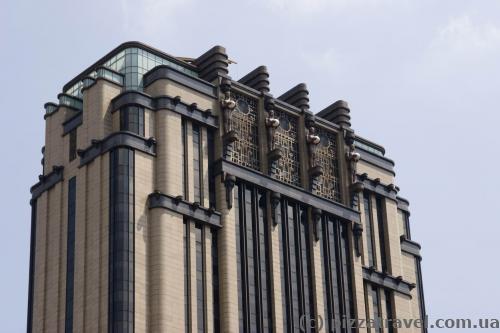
[170,88]
[227,262]
[40,272]
[144,185]
[374,172]
[169,153]
[166,269]
[54,152]
[276,278]
[53,262]
[410,274]
[97,119]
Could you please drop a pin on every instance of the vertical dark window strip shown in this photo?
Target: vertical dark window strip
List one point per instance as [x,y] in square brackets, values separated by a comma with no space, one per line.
[346,271]
[265,266]
[121,242]
[366,288]
[197,167]
[285,298]
[293,269]
[381,234]
[70,255]
[187,291]
[337,272]
[200,278]
[328,313]
[376,309]
[184,161]
[29,324]
[297,266]
[407,224]
[72,145]
[132,119]
[250,260]
[420,291]
[388,310]
[211,177]
[239,253]
[305,267]
[253,263]
[215,280]
[368,227]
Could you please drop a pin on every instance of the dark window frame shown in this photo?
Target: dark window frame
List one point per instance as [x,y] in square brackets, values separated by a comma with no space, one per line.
[132,119]
[253,260]
[295,242]
[121,241]
[337,270]
[368,226]
[72,144]
[70,255]
[197,137]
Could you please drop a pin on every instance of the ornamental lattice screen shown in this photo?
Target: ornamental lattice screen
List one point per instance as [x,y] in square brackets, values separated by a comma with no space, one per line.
[244,121]
[326,155]
[288,166]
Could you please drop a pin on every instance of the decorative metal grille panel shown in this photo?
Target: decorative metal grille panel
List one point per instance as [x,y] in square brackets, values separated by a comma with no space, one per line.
[288,165]
[326,156]
[244,121]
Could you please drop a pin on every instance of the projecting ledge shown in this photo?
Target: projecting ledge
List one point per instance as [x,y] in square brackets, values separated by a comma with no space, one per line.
[191,210]
[388,281]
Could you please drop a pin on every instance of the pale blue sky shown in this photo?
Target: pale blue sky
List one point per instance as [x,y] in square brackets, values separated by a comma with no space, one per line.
[421,77]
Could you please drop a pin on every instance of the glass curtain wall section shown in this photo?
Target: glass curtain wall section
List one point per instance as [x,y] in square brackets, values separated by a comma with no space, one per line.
[133,63]
[296,252]
[368,228]
[252,237]
[70,255]
[121,241]
[132,119]
[337,284]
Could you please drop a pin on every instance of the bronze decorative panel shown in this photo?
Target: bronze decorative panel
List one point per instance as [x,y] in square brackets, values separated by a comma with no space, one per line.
[244,122]
[288,166]
[326,157]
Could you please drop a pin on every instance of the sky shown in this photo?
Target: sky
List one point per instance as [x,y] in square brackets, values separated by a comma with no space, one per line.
[421,77]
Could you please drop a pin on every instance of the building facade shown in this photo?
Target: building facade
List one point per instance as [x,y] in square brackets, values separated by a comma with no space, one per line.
[174,198]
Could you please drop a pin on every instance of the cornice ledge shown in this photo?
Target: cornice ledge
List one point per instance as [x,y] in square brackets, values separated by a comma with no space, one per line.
[175,104]
[410,247]
[387,190]
[388,281]
[47,181]
[169,73]
[191,210]
[114,140]
[223,166]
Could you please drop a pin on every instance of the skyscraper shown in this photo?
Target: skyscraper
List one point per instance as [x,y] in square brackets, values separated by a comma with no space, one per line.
[174,198]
